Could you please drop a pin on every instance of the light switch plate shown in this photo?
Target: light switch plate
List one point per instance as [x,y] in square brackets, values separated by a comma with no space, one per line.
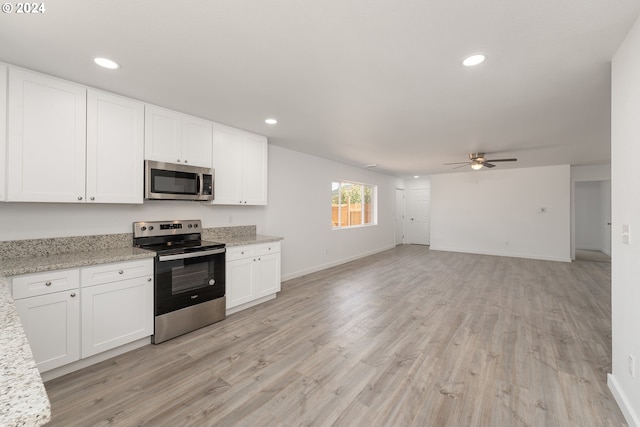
[626,234]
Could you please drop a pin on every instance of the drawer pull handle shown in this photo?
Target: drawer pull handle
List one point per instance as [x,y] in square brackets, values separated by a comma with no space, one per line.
[73,295]
[47,284]
[120,272]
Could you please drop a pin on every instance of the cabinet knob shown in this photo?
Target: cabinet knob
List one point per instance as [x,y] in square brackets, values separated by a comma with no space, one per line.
[149,279]
[259,259]
[178,160]
[93,198]
[79,197]
[73,295]
[242,253]
[186,161]
[47,284]
[120,272]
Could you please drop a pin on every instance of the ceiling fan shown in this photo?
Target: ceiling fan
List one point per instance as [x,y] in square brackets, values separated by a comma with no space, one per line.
[477,161]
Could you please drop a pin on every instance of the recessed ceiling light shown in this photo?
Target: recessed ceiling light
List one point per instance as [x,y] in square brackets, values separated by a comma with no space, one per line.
[416,176]
[106,63]
[271,121]
[472,60]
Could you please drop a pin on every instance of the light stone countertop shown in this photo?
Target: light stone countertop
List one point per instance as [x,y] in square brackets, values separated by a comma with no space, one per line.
[245,240]
[23,398]
[36,264]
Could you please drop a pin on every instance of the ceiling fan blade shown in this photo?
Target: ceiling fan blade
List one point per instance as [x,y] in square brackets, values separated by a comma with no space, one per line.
[461,166]
[488,165]
[502,160]
[458,163]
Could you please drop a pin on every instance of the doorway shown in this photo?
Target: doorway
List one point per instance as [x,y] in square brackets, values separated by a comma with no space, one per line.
[593,220]
[400,214]
[418,203]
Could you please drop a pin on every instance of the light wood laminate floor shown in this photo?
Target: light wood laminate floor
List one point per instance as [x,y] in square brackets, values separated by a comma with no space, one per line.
[406,337]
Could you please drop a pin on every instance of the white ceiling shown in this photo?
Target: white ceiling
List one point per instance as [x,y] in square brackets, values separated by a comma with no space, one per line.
[357,81]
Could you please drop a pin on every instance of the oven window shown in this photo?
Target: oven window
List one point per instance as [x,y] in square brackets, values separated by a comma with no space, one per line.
[173,182]
[187,277]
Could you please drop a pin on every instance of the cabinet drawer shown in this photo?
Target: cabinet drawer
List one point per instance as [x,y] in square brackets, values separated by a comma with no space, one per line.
[107,273]
[267,248]
[48,282]
[239,252]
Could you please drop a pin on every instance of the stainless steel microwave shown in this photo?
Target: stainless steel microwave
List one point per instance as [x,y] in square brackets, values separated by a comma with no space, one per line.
[170,181]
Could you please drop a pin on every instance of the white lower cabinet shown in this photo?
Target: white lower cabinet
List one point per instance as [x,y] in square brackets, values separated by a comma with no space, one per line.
[252,273]
[118,310]
[49,307]
[72,314]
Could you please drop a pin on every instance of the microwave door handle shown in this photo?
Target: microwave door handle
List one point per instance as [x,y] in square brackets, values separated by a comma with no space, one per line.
[198,184]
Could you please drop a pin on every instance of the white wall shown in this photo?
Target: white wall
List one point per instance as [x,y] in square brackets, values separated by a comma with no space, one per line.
[299,210]
[625,176]
[498,212]
[589,219]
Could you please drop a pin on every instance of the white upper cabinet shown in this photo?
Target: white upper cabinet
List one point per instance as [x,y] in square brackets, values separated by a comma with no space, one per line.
[240,163]
[3,130]
[174,137]
[115,147]
[46,139]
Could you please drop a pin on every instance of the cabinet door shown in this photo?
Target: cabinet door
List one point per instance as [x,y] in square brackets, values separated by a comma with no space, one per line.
[254,170]
[3,130]
[46,139]
[116,313]
[239,282]
[197,138]
[267,275]
[52,325]
[163,135]
[227,162]
[115,145]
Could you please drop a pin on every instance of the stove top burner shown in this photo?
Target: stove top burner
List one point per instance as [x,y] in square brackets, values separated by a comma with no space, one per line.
[171,236]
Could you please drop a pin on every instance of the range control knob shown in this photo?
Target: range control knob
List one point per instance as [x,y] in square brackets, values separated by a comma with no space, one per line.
[143,228]
[190,225]
[211,282]
[150,227]
[196,225]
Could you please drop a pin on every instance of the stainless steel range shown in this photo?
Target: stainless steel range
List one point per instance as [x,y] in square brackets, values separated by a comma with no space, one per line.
[189,276]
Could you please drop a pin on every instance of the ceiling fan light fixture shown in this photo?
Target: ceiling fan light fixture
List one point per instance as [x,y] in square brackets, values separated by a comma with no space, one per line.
[476,165]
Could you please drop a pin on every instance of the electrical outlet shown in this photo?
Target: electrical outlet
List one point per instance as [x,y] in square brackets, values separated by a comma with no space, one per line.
[632,366]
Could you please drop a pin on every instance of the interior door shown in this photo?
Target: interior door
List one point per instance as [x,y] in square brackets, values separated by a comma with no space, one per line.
[418,201]
[400,216]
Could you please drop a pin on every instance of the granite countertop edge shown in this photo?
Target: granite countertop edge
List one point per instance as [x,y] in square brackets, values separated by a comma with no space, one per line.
[22,393]
[30,265]
[248,240]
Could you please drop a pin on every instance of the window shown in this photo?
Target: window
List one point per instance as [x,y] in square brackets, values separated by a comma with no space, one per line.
[352,204]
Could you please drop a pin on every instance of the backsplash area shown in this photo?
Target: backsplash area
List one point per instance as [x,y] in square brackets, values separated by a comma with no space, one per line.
[60,245]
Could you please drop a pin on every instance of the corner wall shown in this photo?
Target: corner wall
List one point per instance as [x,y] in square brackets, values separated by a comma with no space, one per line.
[521,213]
[625,267]
[300,211]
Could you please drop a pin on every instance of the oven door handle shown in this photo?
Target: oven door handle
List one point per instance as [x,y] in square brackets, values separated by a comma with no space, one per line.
[190,255]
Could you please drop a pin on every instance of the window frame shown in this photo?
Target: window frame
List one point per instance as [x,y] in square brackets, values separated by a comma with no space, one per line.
[373,205]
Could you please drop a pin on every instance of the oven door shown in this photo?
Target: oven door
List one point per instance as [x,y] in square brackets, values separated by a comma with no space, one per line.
[187,279]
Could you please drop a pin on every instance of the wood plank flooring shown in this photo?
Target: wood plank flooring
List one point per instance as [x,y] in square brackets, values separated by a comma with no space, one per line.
[407,337]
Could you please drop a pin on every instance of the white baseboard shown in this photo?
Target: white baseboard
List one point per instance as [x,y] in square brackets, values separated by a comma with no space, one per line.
[334,263]
[633,419]
[504,254]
